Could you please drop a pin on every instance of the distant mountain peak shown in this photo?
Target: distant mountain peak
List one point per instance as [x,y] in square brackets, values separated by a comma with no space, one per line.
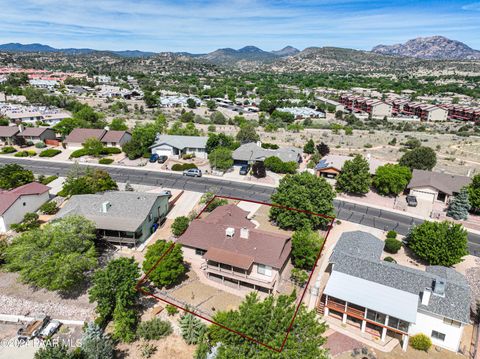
[250,49]
[432,47]
[286,51]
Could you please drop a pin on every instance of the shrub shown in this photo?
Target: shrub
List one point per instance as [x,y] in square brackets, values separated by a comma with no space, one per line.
[154,329]
[183,166]
[392,245]
[46,180]
[79,153]
[217,202]
[389,259]
[111,151]
[28,153]
[171,310]
[392,234]
[188,156]
[8,149]
[51,152]
[421,342]
[49,208]
[105,161]
[180,225]
[271,146]
[276,165]
[40,145]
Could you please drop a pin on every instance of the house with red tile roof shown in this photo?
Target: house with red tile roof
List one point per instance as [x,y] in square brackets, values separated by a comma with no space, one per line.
[232,251]
[14,204]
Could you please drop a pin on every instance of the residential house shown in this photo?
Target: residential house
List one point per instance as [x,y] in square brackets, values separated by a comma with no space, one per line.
[230,250]
[252,152]
[8,135]
[116,138]
[173,145]
[126,218]
[330,166]
[390,300]
[24,116]
[37,134]
[436,186]
[15,203]
[78,136]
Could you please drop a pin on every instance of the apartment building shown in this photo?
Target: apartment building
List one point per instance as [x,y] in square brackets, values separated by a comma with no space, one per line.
[374,107]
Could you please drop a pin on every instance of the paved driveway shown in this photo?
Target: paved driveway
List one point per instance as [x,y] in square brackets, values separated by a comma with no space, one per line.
[424,208]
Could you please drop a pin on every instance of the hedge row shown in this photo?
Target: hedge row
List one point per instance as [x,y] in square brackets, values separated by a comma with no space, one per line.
[183,166]
[8,149]
[106,151]
[28,153]
[51,152]
[105,161]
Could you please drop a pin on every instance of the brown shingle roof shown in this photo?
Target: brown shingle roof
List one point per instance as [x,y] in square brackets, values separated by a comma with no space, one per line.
[8,131]
[266,248]
[443,182]
[79,135]
[33,131]
[234,259]
[113,136]
[8,198]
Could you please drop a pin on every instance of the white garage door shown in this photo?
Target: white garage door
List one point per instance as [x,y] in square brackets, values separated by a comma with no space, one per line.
[162,151]
[429,196]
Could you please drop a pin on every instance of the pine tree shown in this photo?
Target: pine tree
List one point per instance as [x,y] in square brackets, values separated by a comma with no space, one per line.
[323,149]
[192,328]
[459,206]
[309,147]
[95,344]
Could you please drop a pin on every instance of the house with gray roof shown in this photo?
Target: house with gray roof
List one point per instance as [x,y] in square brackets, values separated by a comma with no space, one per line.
[252,152]
[388,299]
[176,146]
[436,186]
[126,218]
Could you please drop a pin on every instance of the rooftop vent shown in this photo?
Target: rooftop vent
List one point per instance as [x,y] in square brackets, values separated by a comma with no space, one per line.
[106,206]
[439,287]
[230,232]
[244,233]
[426,296]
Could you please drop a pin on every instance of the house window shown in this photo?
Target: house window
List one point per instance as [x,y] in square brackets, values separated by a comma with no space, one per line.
[200,252]
[438,335]
[376,316]
[264,270]
[452,322]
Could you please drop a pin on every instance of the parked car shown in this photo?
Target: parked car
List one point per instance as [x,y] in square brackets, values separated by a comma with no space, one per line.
[412,201]
[193,172]
[162,159]
[244,170]
[50,329]
[153,158]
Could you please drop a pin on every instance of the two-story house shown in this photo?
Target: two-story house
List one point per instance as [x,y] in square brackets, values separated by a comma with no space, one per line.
[388,299]
[229,249]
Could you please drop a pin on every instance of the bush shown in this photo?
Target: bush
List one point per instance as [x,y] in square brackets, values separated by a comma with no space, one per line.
[217,202]
[29,153]
[270,146]
[40,145]
[183,166]
[389,259]
[180,225]
[46,180]
[8,149]
[276,165]
[111,151]
[49,208]
[421,342]
[79,153]
[154,329]
[392,245]
[105,161]
[392,234]
[171,310]
[188,156]
[51,152]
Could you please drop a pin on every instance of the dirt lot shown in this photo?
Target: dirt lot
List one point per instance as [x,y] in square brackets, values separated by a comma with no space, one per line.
[172,346]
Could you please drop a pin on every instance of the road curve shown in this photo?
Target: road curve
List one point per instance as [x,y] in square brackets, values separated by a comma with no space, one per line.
[368,216]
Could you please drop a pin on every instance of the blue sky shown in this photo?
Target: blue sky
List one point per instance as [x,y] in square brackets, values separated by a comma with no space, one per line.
[202,26]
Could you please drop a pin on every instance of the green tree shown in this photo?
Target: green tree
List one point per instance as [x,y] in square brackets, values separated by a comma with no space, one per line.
[391,179]
[93,181]
[306,192]
[220,140]
[355,176]
[192,328]
[276,165]
[473,193]
[154,329]
[13,176]
[211,104]
[218,118]
[306,246]
[420,158]
[309,147]
[67,125]
[95,344]
[439,243]
[93,146]
[191,103]
[258,170]
[299,276]
[30,221]
[118,124]
[56,257]
[221,158]
[267,321]
[247,134]
[143,136]
[180,225]
[125,320]
[59,351]
[459,206]
[170,269]
[413,143]
[323,149]
[114,285]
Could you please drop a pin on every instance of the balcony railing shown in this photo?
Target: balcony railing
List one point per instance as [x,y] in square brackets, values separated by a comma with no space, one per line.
[240,276]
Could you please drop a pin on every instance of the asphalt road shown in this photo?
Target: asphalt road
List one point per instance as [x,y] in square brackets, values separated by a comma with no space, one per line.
[368,216]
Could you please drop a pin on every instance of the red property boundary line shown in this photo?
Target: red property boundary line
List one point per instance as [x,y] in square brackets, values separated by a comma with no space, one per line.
[289,329]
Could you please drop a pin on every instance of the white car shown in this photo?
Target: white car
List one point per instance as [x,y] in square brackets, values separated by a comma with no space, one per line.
[193,172]
[50,329]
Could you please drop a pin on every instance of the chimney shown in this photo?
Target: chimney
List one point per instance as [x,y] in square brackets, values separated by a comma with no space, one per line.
[106,206]
[244,233]
[230,232]
[426,296]
[439,287]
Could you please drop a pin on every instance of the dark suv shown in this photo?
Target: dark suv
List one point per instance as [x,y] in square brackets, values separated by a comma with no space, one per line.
[412,201]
